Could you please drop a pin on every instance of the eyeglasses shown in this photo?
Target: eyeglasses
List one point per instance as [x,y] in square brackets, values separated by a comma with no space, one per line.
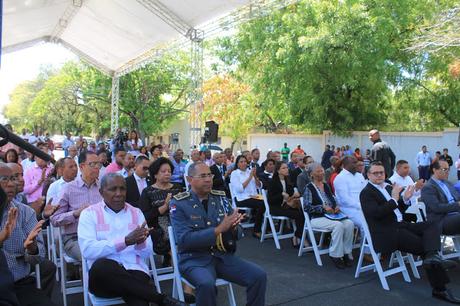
[444,169]
[204,176]
[5,178]
[378,173]
[145,168]
[95,165]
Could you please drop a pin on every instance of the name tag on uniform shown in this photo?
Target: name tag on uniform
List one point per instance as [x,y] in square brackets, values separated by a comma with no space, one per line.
[195,217]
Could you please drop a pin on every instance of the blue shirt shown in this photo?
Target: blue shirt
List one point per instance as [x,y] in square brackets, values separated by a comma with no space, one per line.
[179,170]
[445,189]
[423,159]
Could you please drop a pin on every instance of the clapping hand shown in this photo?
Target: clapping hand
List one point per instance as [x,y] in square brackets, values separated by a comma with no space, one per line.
[419,184]
[138,235]
[229,221]
[30,244]
[49,209]
[10,224]
[409,192]
[396,191]
[37,205]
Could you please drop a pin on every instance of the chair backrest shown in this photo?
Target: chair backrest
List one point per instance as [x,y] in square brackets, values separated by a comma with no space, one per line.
[172,242]
[232,196]
[367,233]
[422,210]
[305,213]
[267,207]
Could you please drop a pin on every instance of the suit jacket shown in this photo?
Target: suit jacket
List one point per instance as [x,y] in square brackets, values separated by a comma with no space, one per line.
[303,179]
[218,183]
[380,217]
[293,174]
[436,201]
[132,192]
[274,192]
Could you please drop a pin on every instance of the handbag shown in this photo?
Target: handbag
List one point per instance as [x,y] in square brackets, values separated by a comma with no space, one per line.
[160,244]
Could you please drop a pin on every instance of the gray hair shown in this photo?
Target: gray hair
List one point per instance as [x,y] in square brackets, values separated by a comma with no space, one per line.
[312,167]
[192,168]
[109,177]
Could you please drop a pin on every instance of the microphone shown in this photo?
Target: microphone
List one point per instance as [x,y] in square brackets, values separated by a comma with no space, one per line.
[15,139]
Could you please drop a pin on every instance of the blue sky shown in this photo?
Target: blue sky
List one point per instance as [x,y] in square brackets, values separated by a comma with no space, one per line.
[24,65]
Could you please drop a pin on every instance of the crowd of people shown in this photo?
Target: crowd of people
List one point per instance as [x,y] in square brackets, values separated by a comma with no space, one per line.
[113,204]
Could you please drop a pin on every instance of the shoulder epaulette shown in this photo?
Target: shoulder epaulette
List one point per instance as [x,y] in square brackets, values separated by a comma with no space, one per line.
[182,195]
[218,192]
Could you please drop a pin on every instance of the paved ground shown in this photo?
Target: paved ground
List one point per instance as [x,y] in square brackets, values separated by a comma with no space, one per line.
[297,281]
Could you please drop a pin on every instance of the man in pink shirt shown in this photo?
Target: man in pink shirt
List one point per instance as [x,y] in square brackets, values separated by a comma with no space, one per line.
[35,176]
[117,164]
[75,197]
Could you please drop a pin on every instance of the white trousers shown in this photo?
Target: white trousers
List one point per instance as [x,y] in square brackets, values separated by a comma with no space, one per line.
[342,234]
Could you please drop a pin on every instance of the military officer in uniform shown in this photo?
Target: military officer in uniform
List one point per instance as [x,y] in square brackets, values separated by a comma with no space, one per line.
[206,228]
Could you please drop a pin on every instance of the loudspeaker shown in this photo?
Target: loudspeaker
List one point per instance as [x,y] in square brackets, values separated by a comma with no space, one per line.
[211,131]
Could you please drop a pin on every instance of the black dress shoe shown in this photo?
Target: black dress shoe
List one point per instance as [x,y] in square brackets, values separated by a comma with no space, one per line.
[347,261]
[189,298]
[446,295]
[169,301]
[338,262]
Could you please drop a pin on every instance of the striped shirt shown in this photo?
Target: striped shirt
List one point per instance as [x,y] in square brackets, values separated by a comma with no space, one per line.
[19,261]
[73,196]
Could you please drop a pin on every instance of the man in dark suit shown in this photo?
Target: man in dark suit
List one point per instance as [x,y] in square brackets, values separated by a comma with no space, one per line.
[382,152]
[383,207]
[442,200]
[138,181]
[303,178]
[221,175]
[266,175]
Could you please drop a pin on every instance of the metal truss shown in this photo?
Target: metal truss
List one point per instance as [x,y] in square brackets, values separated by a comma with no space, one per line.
[65,19]
[114,112]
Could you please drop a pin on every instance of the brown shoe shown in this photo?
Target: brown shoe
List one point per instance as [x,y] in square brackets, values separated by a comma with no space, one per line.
[368,258]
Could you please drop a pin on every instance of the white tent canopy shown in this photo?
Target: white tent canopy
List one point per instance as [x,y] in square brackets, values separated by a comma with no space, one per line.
[110,34]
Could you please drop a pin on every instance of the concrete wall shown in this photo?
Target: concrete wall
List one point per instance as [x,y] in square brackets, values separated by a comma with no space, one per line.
[404,144]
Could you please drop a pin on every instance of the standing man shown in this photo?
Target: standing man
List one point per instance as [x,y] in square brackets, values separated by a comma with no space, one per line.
[423,164]
[285,152]
[348,185]
[35,177]
[382,152]
[137,182]
[203,222]
[179,167]
[76,196]
[445,156]
[325,159]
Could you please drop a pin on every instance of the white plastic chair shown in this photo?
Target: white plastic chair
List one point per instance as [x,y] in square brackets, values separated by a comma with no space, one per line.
[179,279]
[38,282]
[53,240]
[67,287]
[308,229]
[91,299]
[247,211]
[376,266]
[268,219]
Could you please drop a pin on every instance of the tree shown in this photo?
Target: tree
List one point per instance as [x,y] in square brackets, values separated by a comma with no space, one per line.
[329,64]
[230,103]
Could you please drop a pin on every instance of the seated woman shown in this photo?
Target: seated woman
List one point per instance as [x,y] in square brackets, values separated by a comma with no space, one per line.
[284,201]
[244,184]
[154,203]
[321,206]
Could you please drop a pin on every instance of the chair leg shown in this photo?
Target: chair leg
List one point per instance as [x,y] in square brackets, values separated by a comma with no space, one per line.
[379,269]
[360,260]
[63,281]
[264,229]
[403,265]
[302,244]
[392,260]
[315,247]
[413,267]
[231,296]
[275,234]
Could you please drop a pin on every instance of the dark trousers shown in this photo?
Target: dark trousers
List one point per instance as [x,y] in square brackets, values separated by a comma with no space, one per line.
[109,279]
[239,271]
[424,172]
[450,224]
[7,295]
[27,292]
[292,213]
[418,239]
[258,209]
[458,175]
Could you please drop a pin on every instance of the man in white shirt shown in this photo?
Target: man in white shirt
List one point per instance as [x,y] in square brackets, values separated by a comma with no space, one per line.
[66,143]
[348,185]
[28,162]
[33,138]
[69,172]
[424,160]
[402,178]
[113,239]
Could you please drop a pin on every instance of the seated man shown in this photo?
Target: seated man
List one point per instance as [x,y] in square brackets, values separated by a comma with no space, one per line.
[221,175]
[200,219]
[113,238]
[76,195]
[383,207]
[442,200]
[267,175]
[402,178]
[23,247]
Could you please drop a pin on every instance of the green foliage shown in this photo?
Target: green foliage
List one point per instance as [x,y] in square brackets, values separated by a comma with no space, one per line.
[331,64]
